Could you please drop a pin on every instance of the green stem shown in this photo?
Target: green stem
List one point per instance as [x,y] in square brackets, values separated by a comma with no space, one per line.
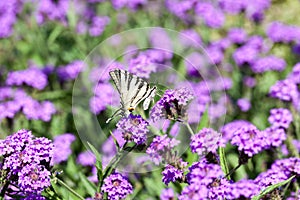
[189,128]
[68,188]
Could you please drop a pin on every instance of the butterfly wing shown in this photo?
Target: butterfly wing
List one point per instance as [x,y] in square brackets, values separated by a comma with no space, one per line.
[132,89]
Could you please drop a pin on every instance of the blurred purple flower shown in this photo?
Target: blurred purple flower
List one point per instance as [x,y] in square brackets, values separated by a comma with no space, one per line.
[212,16]
[244,104]
[62,147]
[249,81]
[280,118]
[160,40]
[275,136]
[230,128]
[237,35]
[160,147]
[295,74]
[35,110]
[71,70]
[270,177]
[32,77]
[250,140]
[206,141]
[245,55]
[279,32]
[86,158]
[105,95]
[288,166]
[181,8]
[172,105]
[98,25]
[167,194]
[190,38]
[255,9]
[232,6]
[52,10]
[215,54]
[117,186]
[284,90]
[194,62]
[8,17]
[143,65]
[267,64]
[134,128]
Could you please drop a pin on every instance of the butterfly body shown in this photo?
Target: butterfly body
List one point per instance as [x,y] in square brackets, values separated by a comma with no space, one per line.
[132,89]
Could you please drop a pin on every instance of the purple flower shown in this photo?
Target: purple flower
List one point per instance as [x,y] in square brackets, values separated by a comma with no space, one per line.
[284,90]
[204,173]
[8,17]
[242,189]
[86,158]
[117,186]
[270,177]
[288,166]
[215,54]
[160,40]
[62,147]
[232,7]
[71,70]
[172,105]
[275,136]
[167,194]
[249,81]
[229,129]
[98,25]
[245,55]
[190,38]
[212,17]
[173,174]
[206,141]
[143,65]
[32,77]
[34,197]
[194,192]
[194,62]
[250,140]
[105,95]
[268,64]
[255,9]
[237,35]
[295,74]
[34,178]
[160,147]
[134,128]
[35,110]
[244,104]
[279,32]
[52,10]
[280,117]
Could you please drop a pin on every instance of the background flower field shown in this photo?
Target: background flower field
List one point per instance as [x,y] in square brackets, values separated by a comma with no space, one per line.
[224,122]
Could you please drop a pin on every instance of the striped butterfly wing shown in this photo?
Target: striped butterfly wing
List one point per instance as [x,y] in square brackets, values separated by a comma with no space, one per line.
[132,90]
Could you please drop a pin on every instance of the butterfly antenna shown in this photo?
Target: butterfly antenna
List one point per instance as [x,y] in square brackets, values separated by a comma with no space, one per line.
[117,112]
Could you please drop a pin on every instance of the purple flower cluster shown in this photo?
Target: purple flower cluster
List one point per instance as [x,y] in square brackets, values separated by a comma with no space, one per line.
[86,158]
[211,15]
[161,147]
[242,189]
[275,136]
[244,104]
[250,140]
[134,128]
[167,194]
[117,186]
[280,117]
[279,32]
[8,17]
[173,174]
[268,63]
[62,144]
[32,77]
[24,158]
[71,70]
[237,35]
[284,90]
[206,141]
[52,11]
[172,105]
[294,76]
[229,129]
[14,101]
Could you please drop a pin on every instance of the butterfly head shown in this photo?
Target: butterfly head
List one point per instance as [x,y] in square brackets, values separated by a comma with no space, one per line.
[130,109]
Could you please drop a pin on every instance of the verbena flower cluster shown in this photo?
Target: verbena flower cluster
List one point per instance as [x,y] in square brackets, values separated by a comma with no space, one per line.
[26,161]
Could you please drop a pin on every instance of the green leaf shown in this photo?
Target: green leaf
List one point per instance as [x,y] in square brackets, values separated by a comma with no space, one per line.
[271,188]
[90,187]
[204,121]
[223,161]
[191,157]
[95,152]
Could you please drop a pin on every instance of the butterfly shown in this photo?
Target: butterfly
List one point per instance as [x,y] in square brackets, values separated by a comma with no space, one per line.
[133,90]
